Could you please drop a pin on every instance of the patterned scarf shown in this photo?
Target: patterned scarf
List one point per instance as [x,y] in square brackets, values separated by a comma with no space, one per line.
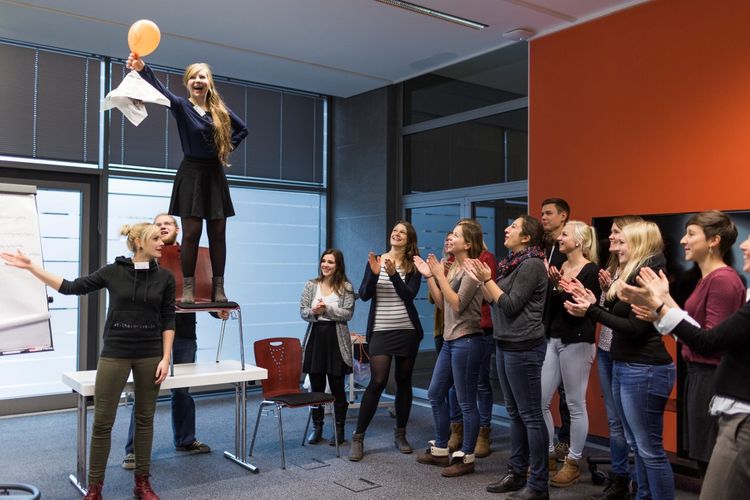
[513,260]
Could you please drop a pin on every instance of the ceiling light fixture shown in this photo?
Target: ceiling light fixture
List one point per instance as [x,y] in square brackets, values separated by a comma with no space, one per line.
[467,23]
[519,34]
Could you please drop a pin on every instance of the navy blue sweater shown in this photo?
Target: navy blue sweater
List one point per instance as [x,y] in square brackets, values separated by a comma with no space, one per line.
[196,131]
[405,290]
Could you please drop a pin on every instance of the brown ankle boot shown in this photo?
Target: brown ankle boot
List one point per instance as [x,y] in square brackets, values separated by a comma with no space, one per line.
[357,448]
[188,290]
[399,439]
[552,463]
[456,441]
[218,295]
[568,475]
[94,491]
[461,464]
[482,448]
[142,490]
[434,456]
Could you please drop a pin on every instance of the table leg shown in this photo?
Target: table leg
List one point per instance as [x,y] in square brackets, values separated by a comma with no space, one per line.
[79,478]
[240,429]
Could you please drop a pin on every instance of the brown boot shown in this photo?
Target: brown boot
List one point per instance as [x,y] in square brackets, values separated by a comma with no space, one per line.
[142,490]
[94,491]
[188,290]
[482,448]
[399,439]
[217,294]
[568,475]
[434,456]
[552,462]
[461,464]
[456,441]
[357,449]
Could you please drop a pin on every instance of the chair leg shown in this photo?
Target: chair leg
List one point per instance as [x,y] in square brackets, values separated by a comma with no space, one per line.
[257,421]
[281,436]
[307,425]
[221,339]
[336,436]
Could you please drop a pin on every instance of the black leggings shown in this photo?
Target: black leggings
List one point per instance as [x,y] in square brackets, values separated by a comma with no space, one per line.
[380,368]
[335,383]
[192,228]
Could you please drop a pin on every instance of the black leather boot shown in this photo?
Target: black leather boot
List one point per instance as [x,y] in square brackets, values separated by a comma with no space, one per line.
[316,436]
[339,411]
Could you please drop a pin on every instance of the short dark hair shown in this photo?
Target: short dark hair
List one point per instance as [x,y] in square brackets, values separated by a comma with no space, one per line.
[716,223]
[560,204]
[531,227]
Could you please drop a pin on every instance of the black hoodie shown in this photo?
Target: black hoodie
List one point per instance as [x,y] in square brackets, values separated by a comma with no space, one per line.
[141,306]
[633,340]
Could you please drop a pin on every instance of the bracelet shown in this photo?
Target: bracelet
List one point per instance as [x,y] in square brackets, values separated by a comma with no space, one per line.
[486,281]
[429,277]
[658,309]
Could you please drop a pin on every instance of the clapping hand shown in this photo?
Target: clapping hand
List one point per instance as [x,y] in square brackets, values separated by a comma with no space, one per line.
[582,299]
[390,266]
[374,262]
[478,270]
[319,308]
[605,279]
[555,275]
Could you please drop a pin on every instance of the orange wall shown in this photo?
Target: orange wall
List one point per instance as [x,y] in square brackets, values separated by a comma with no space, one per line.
[644,111]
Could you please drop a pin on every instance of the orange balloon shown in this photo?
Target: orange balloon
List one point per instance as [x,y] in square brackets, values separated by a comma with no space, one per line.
[143,37]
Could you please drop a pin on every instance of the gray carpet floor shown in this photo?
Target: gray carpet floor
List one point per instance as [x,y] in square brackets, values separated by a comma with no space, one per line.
[40,450]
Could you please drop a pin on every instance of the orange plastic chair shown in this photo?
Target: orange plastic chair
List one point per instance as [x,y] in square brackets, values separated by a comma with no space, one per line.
[170,260]
[282,357]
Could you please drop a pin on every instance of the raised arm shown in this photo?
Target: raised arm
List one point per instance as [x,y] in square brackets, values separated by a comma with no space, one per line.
[21,261]
[136,63]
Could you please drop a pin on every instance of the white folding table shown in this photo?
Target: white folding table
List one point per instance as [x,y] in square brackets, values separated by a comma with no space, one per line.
[185,375]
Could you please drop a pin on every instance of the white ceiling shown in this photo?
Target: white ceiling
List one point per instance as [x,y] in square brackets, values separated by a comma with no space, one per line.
[335,47]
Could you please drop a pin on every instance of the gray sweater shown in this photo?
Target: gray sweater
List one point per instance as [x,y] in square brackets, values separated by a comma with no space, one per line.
[517,317]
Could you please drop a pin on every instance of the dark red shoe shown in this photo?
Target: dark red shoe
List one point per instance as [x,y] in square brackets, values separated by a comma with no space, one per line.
[94,491]
[142,490]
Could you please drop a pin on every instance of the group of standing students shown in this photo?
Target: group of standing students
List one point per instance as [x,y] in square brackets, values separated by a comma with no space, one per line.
[544,321]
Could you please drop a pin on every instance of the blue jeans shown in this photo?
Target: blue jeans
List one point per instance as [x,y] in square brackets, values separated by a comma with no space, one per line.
[484,390]
[183,406]
[618,445]
[457,365]
[520,374]
[640,393]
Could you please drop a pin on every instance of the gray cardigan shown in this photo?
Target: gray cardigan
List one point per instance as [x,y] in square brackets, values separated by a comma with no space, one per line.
[340,315]
[518,315]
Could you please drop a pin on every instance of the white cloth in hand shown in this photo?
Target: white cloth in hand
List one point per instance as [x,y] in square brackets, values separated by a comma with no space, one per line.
[130,95]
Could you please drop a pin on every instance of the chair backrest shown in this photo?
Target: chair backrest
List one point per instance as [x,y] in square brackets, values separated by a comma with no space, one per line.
[170,260]
[282,357]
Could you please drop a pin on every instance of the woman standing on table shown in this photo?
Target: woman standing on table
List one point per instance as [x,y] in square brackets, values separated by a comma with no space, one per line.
[391,281]
[138,336]
[209,132]
[327,304]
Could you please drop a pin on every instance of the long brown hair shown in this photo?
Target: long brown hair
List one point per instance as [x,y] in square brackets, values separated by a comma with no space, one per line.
[338,279]
[219,114]
[411,249]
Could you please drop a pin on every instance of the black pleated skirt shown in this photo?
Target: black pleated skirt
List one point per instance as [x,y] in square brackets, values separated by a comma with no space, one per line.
[201,190]
[699,428]
[322,352]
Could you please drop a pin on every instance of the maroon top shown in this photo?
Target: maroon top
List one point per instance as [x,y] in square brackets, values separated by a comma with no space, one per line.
[714,299]
[489,259]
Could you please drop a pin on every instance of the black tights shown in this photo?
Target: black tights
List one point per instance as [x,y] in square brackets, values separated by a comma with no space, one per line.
[380,368]
[335,383]
[192,227]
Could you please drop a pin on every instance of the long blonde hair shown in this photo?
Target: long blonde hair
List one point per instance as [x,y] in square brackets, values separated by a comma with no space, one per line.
[620,221]
[142,230]
[222,125]
[644,242]
[585,236]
